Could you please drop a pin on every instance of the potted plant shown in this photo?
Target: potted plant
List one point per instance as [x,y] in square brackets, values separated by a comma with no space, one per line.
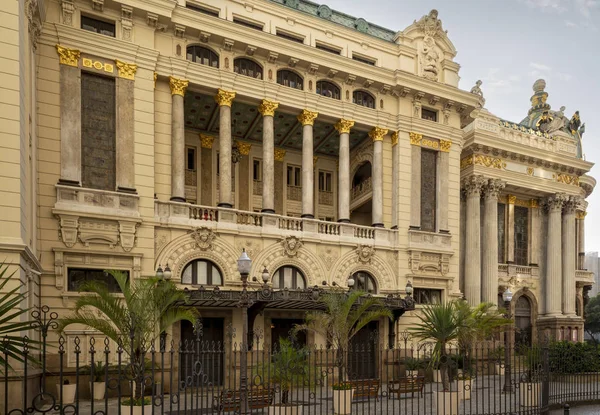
[496,356]
[97,384]
[344,315]
[67,391]
[412,366]
[531,388]
[143,313]
[464,382]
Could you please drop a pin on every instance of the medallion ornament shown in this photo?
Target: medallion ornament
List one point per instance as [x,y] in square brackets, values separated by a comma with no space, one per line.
[343,126]
[267,108]
[204,238]
[67,56]
[377,133]
[415,138]
[365,253]
[291,245]
[307,117]
[178,86]
[224,98]
[126,70]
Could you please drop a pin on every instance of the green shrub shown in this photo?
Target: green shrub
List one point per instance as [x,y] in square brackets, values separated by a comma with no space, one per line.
[568,357]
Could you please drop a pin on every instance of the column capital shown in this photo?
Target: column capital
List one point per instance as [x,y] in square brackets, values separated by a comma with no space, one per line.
[307,117]
[267,108]
[344,126]
[534,203]
[570,205]
[224,98]
[68,56]
[445,145]
[415,138]
[394,137]
[279,154]
[178,86]
[580,214]
[244,147]
[511,199]
[554,203]
[315,158]
[377,133]
[206,141]
[126,70]
[472,185]
[492,188]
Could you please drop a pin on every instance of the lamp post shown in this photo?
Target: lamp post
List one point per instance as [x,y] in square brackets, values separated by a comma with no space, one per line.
[507,296]
[350,283]
[409,288]
[244,266]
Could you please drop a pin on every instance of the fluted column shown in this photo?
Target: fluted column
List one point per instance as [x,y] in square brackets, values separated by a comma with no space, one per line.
[489,266]
[395,179]
[472,187]
[415,181]
[581,238]
[568,256]
[178,87]
[554,206]
[267,109]
[225,99]
[376,135]
[307,119]
[343,128]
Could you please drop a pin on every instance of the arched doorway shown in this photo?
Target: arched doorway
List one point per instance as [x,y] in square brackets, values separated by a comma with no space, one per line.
[362,357]
[293,279]
[523,321]
[361,195]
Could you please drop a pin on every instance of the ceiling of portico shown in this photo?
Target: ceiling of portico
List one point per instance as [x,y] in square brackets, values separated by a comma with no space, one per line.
[202,114]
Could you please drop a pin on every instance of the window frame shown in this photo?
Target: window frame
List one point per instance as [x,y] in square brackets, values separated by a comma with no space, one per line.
[368,278]
[280,275]
[289,36]
[296,173]
[328,48]
[364,59]
[325,174]
[290,72]
[419,291]
[257,169]
[112,283]
[363,94]
[97,19]
[433,112]
[237,61]
[335,94]
[212,55]
[209,273]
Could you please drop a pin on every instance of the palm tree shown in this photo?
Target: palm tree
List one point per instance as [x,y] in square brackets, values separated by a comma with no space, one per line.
[147,308]
[344,315]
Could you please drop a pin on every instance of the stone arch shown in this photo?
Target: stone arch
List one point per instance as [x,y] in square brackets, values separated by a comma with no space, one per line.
[350,263]
[184,249]
[363,155]
[527,293]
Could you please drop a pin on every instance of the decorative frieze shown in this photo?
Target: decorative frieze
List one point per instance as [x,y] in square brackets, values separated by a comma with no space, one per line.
[415,138]
[244,147]
[481,160]
[98,65]
[126,70]
[445,145]
[566,179]
[67,56]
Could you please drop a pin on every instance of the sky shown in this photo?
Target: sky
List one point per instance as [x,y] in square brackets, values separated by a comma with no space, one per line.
[508,44]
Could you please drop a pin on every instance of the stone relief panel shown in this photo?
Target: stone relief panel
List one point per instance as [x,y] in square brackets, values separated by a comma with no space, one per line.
[329,256]
[91,231]
[430,263]
[291,246]
[204,238]
[161,238]
[352,262]
[252,247]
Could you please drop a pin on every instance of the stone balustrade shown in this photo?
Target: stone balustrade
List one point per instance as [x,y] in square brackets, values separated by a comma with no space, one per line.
[512,270]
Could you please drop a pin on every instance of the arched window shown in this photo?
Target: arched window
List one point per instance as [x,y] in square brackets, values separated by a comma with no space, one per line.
[289,78]
[201,272]
[289,277]
[363,281]
[248,68]
[328,89]
[363,98]
[203,56]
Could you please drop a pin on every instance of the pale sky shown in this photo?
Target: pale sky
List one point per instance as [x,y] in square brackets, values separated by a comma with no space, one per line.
[508,44]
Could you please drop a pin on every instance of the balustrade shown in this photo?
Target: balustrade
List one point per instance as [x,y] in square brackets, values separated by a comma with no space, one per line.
[362,188]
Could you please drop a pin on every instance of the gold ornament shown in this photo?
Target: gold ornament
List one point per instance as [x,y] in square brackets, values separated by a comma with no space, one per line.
[394,138]
[279,154]
[512,199]
[126,70]
[377,133]
[224,98]
[267,108]
[307,117]
[344,126]
[445,145]
[68,56]
[178,86]
[415,138]
[155,78]
[244,147]
[534,203]
[206,141]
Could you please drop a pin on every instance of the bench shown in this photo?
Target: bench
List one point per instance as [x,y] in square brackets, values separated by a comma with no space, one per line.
[407,385]
[365,389]
[230,401]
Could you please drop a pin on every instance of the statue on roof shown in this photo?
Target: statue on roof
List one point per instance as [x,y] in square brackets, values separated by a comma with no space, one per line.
[430,24]
[574,123]
[557,120]
[477,91]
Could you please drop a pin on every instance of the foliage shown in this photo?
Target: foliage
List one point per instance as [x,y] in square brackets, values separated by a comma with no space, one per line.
[478,323]
[497,353]
[412,363]
[568,357]
[592,319]
[146,309]
[99,371]
[137,401]
[342,386]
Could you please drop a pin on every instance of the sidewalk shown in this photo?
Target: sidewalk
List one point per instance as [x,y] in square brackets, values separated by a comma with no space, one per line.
[581,410]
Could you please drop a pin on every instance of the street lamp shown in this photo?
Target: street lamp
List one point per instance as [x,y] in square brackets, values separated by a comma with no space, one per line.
[350,282]
[244,265]
[159,272]
[507,297]
[409,288]
[167,272]
[265,276]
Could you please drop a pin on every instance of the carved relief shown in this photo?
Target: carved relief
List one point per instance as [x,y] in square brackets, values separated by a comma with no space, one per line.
[67,12]
[252,247]
[429,263]
[291,245]
[329,256]
[365,253]
[204,238]
[473,185]
[161,238]
[429,59]
[493,188]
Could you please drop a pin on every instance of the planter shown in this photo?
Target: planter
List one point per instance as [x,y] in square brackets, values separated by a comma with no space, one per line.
[447,403]
[99,389]
[412,373]
[499,369]
[437,376]
[137,410]
[285,410]
[342,401]
[464,388]
[529,393]
[68,393]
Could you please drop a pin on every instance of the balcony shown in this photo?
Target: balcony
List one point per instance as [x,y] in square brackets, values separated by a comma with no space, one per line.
[518,271]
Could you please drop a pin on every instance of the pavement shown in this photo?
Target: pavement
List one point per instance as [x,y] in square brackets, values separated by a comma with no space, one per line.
[579,410]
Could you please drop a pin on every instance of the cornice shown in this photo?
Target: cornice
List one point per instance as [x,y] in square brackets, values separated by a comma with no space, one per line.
[160,7]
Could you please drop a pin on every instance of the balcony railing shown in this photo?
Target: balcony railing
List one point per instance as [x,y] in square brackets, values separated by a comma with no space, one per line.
[517,270]
[362,188]
[325,198]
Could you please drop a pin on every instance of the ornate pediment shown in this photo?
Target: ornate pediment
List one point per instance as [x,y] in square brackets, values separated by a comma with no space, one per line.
[75,229]
[429,263]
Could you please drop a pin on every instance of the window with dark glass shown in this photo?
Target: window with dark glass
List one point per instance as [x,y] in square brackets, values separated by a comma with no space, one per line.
[203,10]
[77,276]
[363,98]
[98,132]
[363,281]
[247,23]
[97,26]
[201,272]
[329,49]
[325,181]
[191,158]
[363,59]
[294,176]
[428,189]
[521,235]
[290,36]
[428,114]
[501,233]
[248,67]
[256,170]
[202,55]
[289,78]
[328,89]
[427,296]
[289,277]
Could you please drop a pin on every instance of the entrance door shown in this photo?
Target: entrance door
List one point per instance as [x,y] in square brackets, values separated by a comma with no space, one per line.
[523,322]
[205,356]
[362,357]
[283,328]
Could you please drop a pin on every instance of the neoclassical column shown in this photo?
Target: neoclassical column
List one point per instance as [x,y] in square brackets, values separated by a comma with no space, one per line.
[581,237]
[415,181]
[395,179]
[178,87]
[534,232]
[225,99]
[443,176]
[267,109]
[510,229]
[489,248]
[472,275]
[125,126]
[377,134]
[343,127]
[554,205]
[569,263]
[307,119]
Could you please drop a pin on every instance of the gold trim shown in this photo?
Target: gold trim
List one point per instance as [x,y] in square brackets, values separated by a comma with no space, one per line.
[394,137]
[580,214]
[530,171]
[244,147]
[68,56]
[206,141]
[178,86]
[224,98]
[155,79]
[511,199]
[279,154]
[534,203]
[344,126]
[445,145]
[315,158]
[566,179]
[97,65]
[126,70]
[434,144]
[267,108]
[377,133]
[481,160]
[415,138]
[307,117]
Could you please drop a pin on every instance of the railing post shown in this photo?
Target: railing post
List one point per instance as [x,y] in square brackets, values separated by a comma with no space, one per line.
[567,409]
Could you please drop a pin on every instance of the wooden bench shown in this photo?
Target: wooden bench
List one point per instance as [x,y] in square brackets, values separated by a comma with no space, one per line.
[407,385]
[365,389]
[230,401]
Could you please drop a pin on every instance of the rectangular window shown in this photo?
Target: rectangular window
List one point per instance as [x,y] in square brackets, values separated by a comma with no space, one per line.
[196,8]
[521,235]
[257,170]
[294,176]
[98,132]
[98,26]
[428,189]
[427,114]
[427,296]
[364,59]
[325,181]
[77,276]
[501,233]
[327,48]
[290,36]
[191,158]
[252,25]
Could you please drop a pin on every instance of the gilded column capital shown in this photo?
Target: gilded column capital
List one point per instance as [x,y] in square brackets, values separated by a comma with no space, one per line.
[244,147]
[126,70]
[224,98]
[492,188]
[279,154]
[377,133]
[473,185]
[315,158]
[206,141]
[344,126]
[555,202]
[445,145]
[415,138]
[534,203]
[511,199]
[178,86]
[580,214]
[155,79]
[307,117]
[68,56]
[394,138]
[267,108]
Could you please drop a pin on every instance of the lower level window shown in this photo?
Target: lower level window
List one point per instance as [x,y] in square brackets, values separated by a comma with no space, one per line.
[289,277]
[201,272]
[78,276]
[427,296]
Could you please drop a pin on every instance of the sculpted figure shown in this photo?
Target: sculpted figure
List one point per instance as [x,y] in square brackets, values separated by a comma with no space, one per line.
[430,59]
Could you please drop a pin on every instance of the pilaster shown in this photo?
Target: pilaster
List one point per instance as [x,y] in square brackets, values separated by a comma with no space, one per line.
[472,187]
[489,269]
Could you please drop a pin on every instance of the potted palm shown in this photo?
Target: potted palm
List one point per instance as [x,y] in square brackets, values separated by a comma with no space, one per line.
[144,312]
[344,315]
[412,366]
[67,391]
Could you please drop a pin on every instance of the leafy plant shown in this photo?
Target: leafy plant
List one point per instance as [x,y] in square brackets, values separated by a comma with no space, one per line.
[412,363]
[342,386]
[569,357]
[592,319]
[99,370]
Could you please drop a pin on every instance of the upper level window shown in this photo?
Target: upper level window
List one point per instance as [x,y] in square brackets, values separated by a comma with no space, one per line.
[294,176]
[289,277]
[257,170]
[428,190]
[327,48]
[521,235]
[325,181]
[328,89]
[77,276]
[290,36]
[98,26]
[427,296]
[201,272]
[363,98]
[427,114]
[248,67]
[247,23]
[203,56]
[363,59]
[289,78]
[363,281]
[210,12]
